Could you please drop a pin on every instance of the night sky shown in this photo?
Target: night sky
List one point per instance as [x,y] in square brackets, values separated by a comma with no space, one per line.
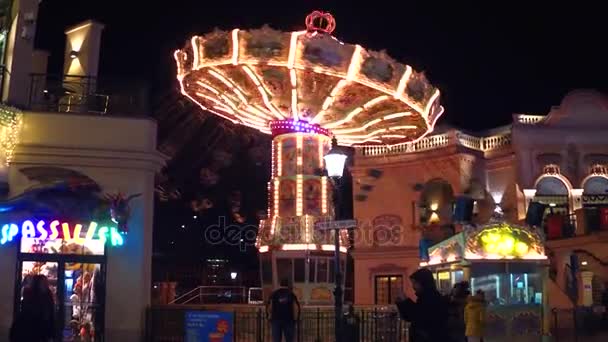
[490,59]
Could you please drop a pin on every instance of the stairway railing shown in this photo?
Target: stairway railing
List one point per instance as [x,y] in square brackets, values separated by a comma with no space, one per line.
[592,256]
[213,295]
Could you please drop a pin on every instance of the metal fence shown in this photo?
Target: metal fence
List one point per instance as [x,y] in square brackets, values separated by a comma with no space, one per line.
[84,94]
[580,324]
[166,324]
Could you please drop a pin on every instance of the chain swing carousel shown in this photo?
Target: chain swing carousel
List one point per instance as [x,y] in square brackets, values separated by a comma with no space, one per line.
[305,88]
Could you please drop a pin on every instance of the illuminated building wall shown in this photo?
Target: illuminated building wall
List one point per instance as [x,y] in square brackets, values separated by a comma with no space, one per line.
[554,159]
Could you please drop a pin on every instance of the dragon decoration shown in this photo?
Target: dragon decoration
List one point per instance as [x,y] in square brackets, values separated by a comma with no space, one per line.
[68,194]
[120,210]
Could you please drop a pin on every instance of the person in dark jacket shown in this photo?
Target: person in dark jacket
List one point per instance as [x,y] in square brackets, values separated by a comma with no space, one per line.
[284,311]
[457,302]
[428,315]
[35,322]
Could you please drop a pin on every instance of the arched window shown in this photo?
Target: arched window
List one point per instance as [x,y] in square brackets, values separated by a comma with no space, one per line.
[553,191]
[596,185]
[551,186]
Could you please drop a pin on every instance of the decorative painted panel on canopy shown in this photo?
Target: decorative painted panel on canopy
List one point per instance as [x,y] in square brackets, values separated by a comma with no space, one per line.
[501,240]
[255,77]
[497,240]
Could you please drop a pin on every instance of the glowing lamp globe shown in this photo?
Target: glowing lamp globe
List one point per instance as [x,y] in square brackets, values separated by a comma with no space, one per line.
[334,162]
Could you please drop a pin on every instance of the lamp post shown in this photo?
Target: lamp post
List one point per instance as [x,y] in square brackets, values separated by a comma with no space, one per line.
[334,165]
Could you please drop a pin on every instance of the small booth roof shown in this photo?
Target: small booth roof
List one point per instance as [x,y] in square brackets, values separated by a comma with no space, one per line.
[495,241]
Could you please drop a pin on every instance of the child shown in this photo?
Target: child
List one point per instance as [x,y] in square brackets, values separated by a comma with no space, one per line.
[474,317]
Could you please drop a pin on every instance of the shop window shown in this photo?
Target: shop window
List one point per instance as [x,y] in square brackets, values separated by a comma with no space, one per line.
[493,286]
[524,288]
[83,298]
[322,268]
[312,263]
[458,276]
[387,288]
[510,288]
[285,269]
[267,271]
[299,271]
[444,282]
[47,269]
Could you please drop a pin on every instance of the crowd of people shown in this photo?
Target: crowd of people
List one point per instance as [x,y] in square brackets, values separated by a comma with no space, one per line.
[434,317]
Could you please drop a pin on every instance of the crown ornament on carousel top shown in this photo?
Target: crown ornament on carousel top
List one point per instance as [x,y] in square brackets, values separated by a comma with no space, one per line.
[319,21]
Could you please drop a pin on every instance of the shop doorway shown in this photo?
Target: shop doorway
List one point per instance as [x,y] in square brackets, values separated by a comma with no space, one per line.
[77,282]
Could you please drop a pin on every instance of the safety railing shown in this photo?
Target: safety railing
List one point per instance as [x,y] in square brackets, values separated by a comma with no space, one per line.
[484,144]
[213,295]
[250,324]
[84,94]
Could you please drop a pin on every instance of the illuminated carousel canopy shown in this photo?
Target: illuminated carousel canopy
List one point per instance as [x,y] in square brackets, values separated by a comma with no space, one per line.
[270,80]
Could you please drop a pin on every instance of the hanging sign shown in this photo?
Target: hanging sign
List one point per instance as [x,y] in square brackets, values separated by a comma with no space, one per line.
[69,232]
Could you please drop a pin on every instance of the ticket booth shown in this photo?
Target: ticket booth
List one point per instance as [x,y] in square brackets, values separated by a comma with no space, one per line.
[508,264]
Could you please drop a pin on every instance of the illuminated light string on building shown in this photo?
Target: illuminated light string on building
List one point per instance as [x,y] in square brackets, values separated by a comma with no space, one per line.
[10,128]
[304,247]
[70,233]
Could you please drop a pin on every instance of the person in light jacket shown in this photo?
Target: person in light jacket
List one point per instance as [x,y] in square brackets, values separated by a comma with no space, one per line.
[475,317]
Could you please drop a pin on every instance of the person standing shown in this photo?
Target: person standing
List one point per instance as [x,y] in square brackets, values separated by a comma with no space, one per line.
[457,302]
[475,316]
[428,315]
[35,321]
[284,311]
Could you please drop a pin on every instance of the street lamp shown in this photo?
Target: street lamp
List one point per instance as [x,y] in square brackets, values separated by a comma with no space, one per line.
[233,275]
[335,160]
[334,164]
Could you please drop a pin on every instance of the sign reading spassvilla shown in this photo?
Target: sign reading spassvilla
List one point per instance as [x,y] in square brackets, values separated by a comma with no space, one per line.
[211,326]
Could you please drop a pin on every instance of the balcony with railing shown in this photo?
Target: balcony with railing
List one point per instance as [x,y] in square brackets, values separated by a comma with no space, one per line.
[495,142]
[526,119]
[86,95]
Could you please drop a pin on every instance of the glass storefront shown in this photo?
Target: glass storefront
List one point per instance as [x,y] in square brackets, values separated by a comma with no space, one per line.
[76,274]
